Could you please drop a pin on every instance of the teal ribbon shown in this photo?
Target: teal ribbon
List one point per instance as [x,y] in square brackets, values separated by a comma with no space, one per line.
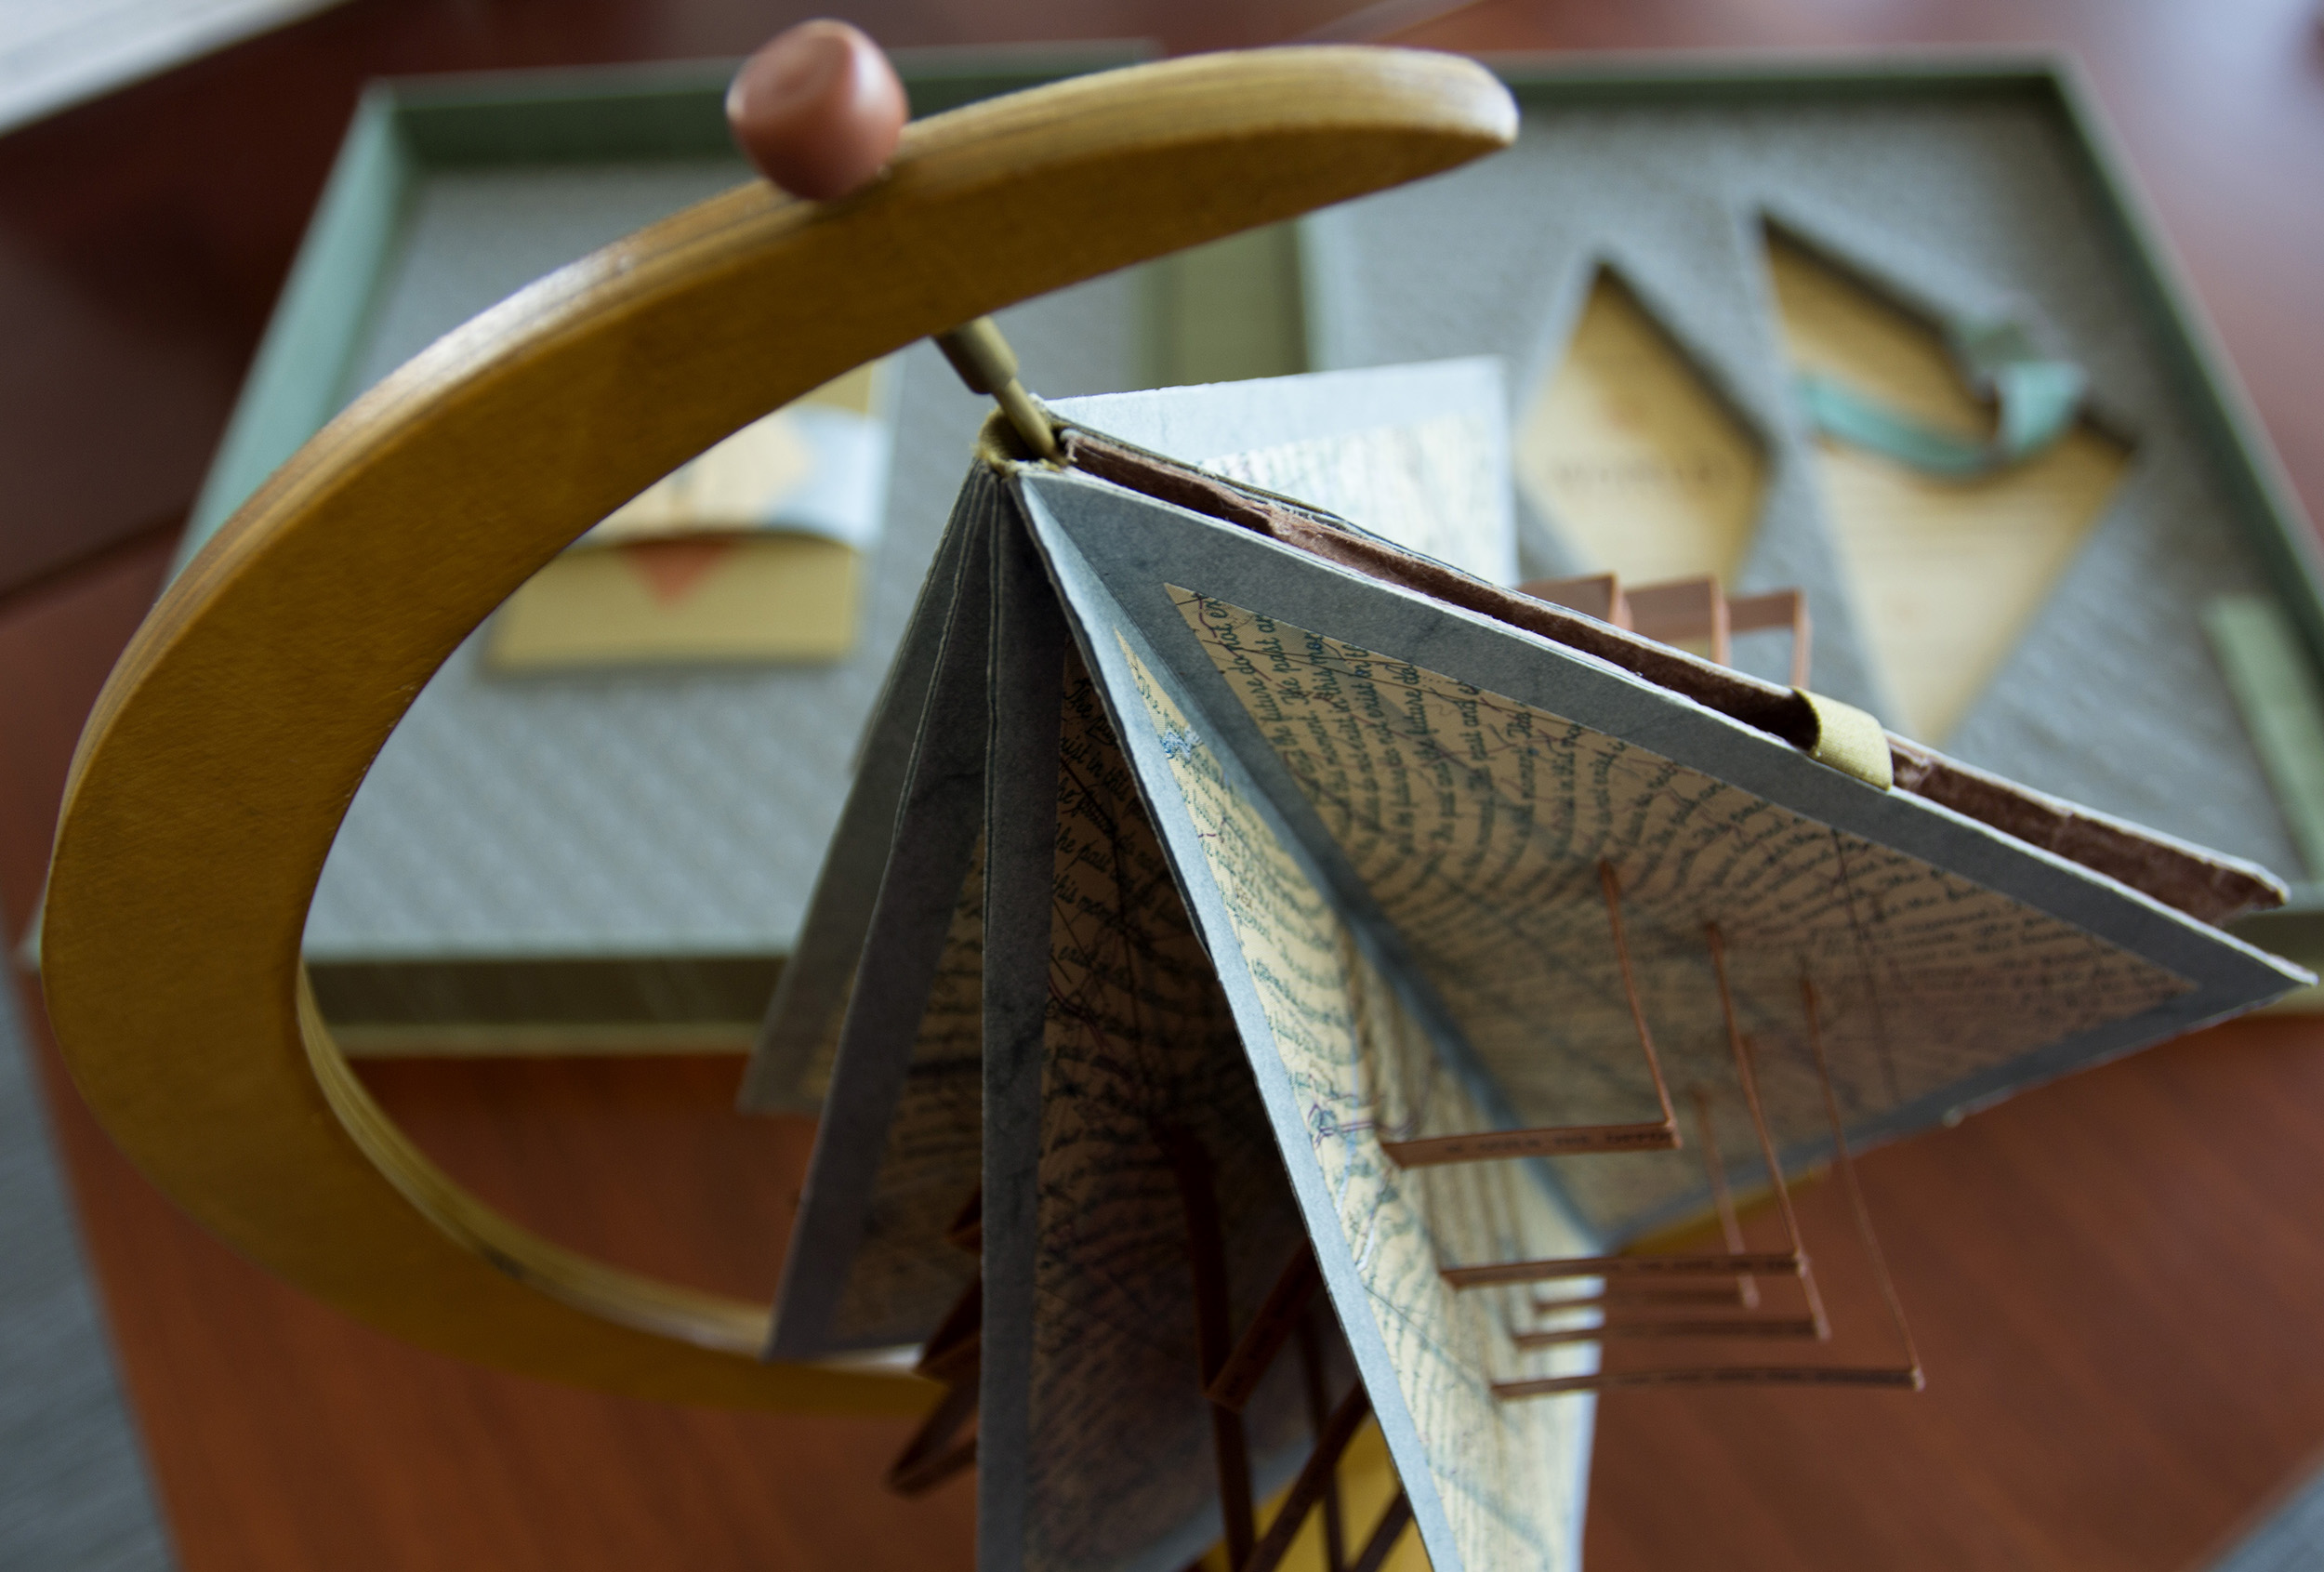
[2039,398]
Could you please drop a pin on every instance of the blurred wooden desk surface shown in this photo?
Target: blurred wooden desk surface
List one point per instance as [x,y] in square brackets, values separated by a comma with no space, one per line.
[2116,1279]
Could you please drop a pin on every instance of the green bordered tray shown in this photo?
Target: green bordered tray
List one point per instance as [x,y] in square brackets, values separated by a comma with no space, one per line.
[1259,305]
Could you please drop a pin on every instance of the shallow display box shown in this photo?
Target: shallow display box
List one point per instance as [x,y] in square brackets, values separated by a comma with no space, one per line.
[1896,333]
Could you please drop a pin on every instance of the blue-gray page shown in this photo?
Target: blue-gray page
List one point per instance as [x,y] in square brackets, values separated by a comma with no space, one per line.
[900,900]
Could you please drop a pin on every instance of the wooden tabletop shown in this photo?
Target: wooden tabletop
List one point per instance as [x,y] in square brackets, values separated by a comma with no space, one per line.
[2115,1279]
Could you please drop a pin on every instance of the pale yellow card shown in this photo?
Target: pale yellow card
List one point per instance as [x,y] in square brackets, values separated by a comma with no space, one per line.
[752,552]
[697,598]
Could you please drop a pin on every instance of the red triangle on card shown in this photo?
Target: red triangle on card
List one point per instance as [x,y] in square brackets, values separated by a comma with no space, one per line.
[673,568]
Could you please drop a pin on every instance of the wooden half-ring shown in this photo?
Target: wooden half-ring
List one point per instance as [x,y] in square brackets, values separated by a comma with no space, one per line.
[232,736]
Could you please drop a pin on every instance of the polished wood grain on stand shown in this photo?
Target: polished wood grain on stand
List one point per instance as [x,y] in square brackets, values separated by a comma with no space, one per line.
[248,708]
[2114,1280]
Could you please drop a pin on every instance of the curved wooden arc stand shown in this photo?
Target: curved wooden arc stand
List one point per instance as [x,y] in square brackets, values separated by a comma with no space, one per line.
[225,749]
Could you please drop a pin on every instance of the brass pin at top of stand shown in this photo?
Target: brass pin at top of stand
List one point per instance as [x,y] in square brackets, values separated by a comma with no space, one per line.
[988,365]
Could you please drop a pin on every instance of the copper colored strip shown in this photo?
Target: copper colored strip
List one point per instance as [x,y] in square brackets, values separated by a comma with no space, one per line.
[1621,1295]
[966,1230]
[932,1456]
[1610,886]
[1322,1466]
[1847,1165]
[1679,611]
[947,1364]
[1714,1375]
[1206,1251]
[1727,1326]
[1773,608]
[1318,1422]
[1271,1327]
[1434,1151]
[1777,608]
[1597,595]
[1747,1075]
[1730,1225]
[1906,1376]
[2208,892]
[1495,1272]
[1564,1140]
[923,1478]
[956,1334]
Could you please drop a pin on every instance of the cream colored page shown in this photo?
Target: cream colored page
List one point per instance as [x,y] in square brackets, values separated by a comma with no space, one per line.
[1478,824]
[1506,1473]
[1434,487]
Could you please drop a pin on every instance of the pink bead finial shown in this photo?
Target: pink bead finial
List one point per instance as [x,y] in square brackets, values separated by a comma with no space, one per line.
[818,109]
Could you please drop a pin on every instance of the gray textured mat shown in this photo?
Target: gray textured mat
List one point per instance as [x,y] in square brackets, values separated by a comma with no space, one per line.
[73,1493]
[653,811]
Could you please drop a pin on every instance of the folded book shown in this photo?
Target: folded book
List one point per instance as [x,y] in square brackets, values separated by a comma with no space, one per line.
[1270,972]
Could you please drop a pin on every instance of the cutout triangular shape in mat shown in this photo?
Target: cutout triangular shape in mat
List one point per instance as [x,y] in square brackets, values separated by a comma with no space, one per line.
[1946,573]
[1639,464]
